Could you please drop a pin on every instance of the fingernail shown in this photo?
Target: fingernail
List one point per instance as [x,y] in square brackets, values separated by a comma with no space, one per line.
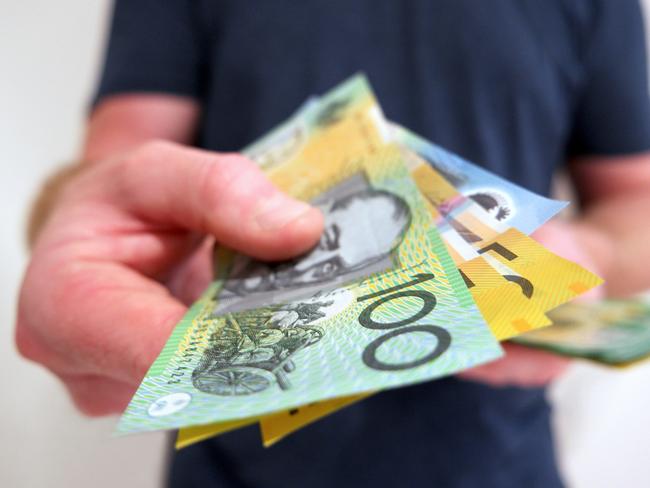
[277,211]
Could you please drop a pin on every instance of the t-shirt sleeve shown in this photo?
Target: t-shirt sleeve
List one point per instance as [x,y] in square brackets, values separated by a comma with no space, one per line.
[613,110]
[153,46]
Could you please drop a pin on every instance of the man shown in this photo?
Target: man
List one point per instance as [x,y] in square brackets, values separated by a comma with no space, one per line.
[519,86]
[362,226]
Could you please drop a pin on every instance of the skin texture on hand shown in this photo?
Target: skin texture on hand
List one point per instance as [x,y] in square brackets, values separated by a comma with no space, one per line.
[94,307]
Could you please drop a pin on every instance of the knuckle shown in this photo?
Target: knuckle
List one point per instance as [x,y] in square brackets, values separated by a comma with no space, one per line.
[232,168]
[227,175]
[216,176]
[146,155]
[153,150]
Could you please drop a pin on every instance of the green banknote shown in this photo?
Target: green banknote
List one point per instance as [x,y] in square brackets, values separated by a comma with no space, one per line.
[312,336]
[615,332]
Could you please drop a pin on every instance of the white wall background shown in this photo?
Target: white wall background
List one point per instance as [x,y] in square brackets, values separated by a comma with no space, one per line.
[49,53]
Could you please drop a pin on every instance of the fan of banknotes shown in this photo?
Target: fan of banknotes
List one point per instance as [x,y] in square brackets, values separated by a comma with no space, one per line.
[424,266]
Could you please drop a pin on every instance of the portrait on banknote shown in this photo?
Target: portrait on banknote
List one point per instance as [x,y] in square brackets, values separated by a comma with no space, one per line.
[363,225]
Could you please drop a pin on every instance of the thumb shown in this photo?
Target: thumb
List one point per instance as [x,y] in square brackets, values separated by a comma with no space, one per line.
[225,195]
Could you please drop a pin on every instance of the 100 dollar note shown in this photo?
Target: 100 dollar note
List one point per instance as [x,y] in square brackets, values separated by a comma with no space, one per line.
[395,328]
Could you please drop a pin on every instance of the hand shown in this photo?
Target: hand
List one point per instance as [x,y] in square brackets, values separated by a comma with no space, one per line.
[524,366]
[521,366]
[93,307]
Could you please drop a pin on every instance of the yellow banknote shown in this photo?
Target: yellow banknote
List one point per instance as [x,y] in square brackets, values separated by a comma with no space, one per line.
[276,427]
[273,427]
[543,279]
[197,433]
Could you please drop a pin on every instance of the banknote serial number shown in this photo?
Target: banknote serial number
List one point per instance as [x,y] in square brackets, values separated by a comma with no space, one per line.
[402,327]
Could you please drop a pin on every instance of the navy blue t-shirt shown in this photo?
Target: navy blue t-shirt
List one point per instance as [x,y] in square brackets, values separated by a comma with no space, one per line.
[517,86]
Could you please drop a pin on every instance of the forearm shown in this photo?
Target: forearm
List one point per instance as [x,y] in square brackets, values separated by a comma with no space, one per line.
[616,235]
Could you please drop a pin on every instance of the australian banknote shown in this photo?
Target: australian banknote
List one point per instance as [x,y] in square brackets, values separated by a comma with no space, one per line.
[406,325]
[504,200]
[415,322]
[613,332]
